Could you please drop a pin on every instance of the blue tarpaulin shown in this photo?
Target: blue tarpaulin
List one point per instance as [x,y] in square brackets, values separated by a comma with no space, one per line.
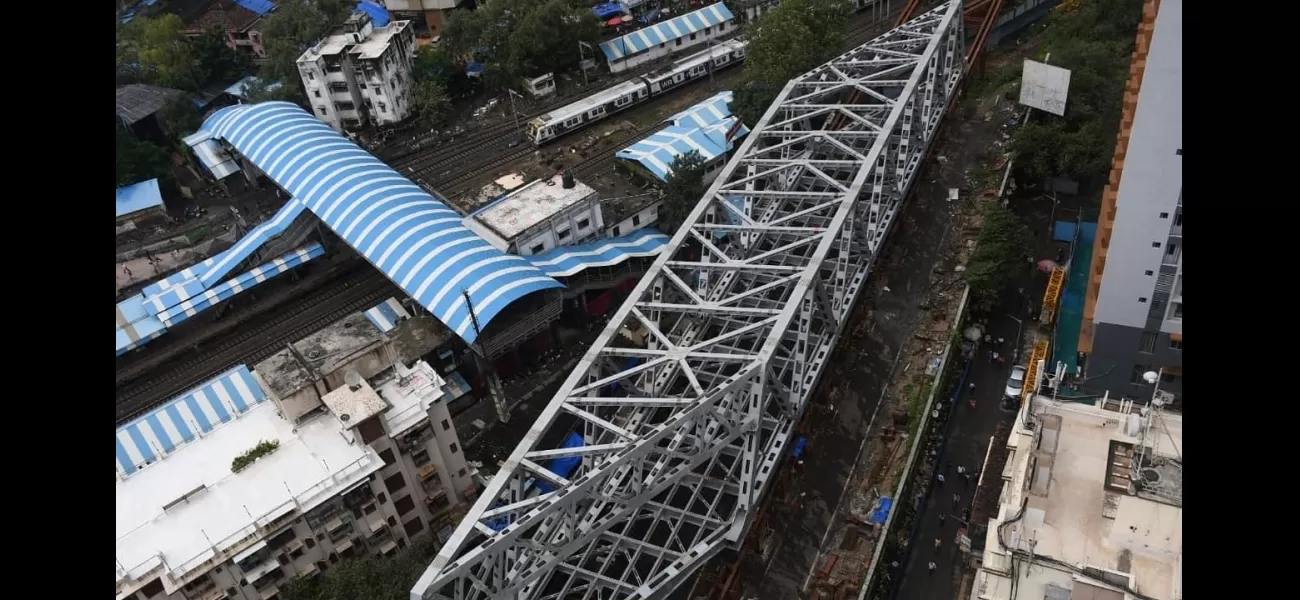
[378,14]
[882,510]
[562,466]
[607,11]
[260,7]
[1063,231]
[799,445]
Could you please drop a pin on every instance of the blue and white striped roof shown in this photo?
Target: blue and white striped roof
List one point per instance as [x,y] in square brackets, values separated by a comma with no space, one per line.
[137,323]
[415,240]
[707,128]
[193,414]
[570,260]
[210,153]
[387,315]
[665,31]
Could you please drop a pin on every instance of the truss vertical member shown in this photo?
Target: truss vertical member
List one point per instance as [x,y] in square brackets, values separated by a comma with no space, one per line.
[682,433]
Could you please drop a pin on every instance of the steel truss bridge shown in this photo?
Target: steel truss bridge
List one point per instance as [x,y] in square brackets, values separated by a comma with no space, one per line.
[687,400]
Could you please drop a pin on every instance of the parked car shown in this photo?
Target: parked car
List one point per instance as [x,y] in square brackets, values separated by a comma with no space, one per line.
[1015,383]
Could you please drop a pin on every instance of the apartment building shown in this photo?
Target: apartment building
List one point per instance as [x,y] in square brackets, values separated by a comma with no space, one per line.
[541,215]
[361,74]
[1090,505]
[374,467]
[1133,308]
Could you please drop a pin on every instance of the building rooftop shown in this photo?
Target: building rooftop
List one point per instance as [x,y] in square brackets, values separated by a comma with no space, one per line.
[137,197]
[529,205]
[1076,508]
[352,406]
[409,396]
[376,43]
[184,506]
[138,101]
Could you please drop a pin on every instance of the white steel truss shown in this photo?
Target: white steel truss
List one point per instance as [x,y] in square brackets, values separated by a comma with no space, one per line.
[687,400]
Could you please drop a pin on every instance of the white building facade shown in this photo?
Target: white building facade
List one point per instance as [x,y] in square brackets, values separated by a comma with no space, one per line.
[372,470]
[544,214]
[361,74]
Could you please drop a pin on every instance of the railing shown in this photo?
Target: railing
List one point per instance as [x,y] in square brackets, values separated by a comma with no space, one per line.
[1036,355]
[1052,296]
[244,537]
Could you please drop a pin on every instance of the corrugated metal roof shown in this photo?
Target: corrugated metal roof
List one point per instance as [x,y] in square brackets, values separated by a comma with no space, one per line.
[707,128]
[387,315]
[137,197]
[137,101]
[570,260]
[216,294]
[197,412]
[415,240]
[666,31]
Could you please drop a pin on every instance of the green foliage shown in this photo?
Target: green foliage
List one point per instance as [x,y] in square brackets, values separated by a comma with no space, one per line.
[179,118]
[216,61]
[682,190]
[139,160]
[435,64]
[521,38]
[366,577]
[262,448]
[781,48]
[431,103]
[1095,41]
[159,52]
[291,30]
[1000,251]
[793,38]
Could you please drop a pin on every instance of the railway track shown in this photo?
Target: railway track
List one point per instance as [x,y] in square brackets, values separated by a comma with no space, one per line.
[365,288]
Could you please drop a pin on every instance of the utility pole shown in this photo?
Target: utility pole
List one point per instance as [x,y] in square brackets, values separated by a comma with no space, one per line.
[711,64]
[511,94]
[485,366]
[582,57]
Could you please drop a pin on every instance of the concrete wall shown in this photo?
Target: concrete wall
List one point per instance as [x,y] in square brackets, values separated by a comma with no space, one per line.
[643,218]
[1117,349]
[547,233]
[1151,185]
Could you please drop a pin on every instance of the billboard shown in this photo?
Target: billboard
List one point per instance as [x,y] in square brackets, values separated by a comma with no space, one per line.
[1045,87]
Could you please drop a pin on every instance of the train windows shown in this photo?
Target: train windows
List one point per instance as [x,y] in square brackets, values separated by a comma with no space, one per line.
[572,122]
[623,101]
[596,113]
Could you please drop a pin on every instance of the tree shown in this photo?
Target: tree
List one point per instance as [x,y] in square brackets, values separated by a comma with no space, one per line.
[435,64]
[750,100]
[682,190]
[431,103]
[1000,251]
[178,118]
[793,38]
[366,577]
[521,38]
[291,30]
[216,61]
[157,51]
[139,160]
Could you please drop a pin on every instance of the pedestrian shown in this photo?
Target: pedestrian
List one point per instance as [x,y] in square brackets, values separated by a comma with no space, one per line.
[961,470]
[956,500]
[939,478]
[932,567]
[993,356]
[1002,360]
[971,386]
[937,542]
[942,517]
[966,479]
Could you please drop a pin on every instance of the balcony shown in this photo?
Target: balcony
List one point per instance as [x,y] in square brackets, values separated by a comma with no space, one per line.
[260,571]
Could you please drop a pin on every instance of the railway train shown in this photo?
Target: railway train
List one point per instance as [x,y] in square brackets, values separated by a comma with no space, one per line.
[572,117]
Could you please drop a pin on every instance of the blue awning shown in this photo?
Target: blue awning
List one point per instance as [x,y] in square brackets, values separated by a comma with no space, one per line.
[137,324]
[197,412]
[570,260]
[662,33]
[415,240]
[387,315]
[137,197]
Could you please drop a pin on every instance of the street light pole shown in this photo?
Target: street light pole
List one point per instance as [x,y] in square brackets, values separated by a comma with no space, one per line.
[582,57]
[511,94]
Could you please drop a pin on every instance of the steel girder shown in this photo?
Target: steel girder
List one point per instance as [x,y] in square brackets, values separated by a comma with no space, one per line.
[686,401]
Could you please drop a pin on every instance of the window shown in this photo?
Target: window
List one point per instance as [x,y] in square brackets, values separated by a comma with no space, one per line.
[721,26]
[562,234]
[404,505]
[1136,377]
[583,224]
[387,456]
[661,46]
[1142,299]
[616,231]
[1175,344]
[461,473]
[151,589]
[693,36]
[395,483]
[383,107]
[1164,215]
[636,220]
[453,448]
[1147,344]
[310,77]
[706,30]
[361,85]
[537,249]
[345,106]
[379,91]
[446,424]
[420,457]
[317,92]
[322,110]
[392,521]
[1178,220]
[309,543]
[679,41]
[1148,272]
[1171,249]
[381,498]
[1179,152]
[1178,310]
[414,526]
[1155,244]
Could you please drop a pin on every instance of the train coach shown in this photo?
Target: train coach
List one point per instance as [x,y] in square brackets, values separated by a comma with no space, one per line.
[572,117]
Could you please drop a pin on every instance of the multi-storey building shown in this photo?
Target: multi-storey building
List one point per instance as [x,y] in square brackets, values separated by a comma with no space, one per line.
[431,13]
[371,468]
[362,73]
[1133,309]
[541,215]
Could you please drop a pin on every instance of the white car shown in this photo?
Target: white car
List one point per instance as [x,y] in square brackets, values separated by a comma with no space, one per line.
[1015,383]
